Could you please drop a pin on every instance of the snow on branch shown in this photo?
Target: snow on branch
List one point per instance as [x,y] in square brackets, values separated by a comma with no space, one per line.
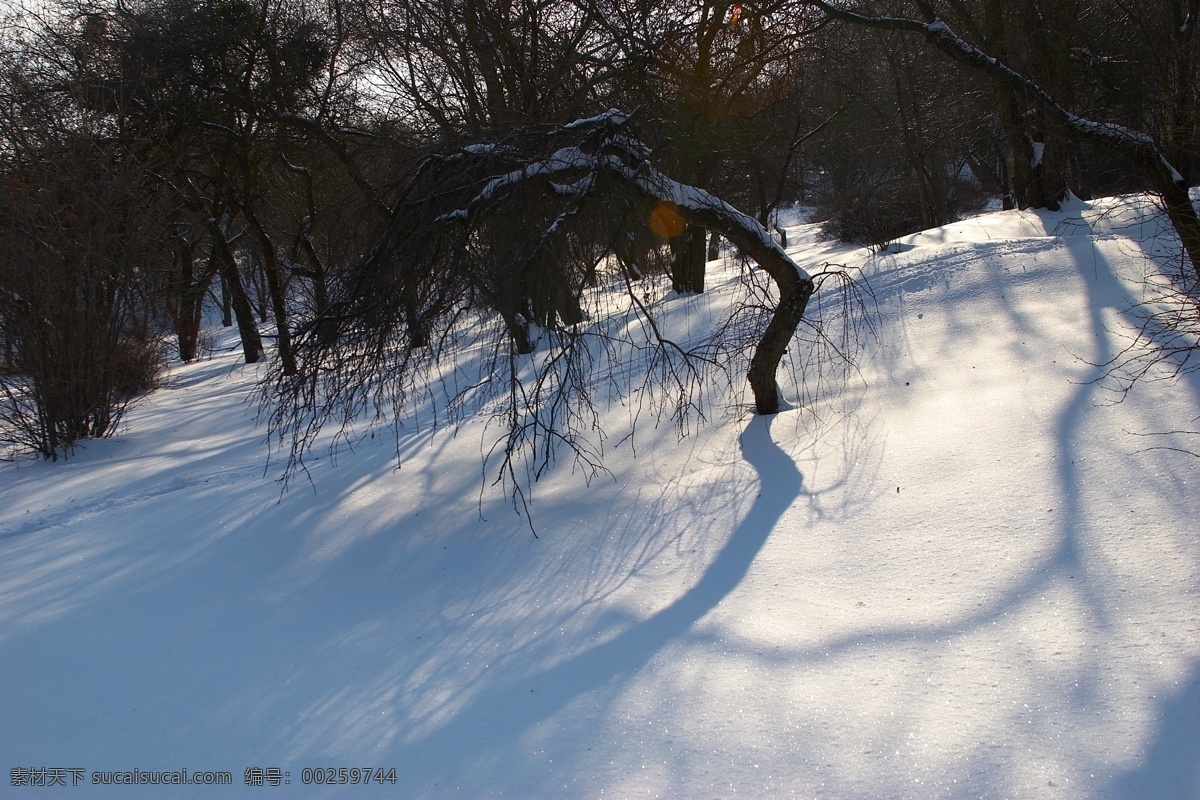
[603,158]
[624,159]
[613,116]
[1139,147]
[1135,144]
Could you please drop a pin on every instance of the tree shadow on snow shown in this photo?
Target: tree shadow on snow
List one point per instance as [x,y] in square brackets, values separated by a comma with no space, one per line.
[511,710]
[1170,766]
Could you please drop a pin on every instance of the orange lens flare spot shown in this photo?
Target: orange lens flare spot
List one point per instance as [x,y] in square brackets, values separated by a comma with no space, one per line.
[665,220]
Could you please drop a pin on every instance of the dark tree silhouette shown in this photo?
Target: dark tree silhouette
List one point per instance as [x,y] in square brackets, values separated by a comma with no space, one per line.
[516,229]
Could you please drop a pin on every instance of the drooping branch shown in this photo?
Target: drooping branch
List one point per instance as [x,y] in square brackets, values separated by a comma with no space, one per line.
[506,237]
[794,284]
[615,160]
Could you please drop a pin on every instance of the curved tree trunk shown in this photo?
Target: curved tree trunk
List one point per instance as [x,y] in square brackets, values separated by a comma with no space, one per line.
[795,286]
[622,162]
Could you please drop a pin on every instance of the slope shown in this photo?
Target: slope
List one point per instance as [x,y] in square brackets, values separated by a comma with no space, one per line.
[963,576]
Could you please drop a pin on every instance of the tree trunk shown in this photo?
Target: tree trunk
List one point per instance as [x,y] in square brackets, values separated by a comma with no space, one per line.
[794,284]
[1020,189]
[275,290]
[1182,213]
[252,344]
[226,302]
[687,261]
[1037,156]
[188,314]
[1046,24]
[304,245]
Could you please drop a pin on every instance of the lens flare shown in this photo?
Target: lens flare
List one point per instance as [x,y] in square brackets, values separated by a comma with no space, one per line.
[665,220]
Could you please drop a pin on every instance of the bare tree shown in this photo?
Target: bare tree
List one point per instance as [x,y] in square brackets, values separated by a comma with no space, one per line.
[81,220]
[1142,150]
[239,92]
[717,75]
[473,230]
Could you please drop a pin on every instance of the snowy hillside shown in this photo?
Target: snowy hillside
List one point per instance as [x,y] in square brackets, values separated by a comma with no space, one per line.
[968,576]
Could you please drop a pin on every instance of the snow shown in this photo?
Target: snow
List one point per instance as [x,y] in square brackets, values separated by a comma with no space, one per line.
[698,200]
[613,116]
[965,576]
[1174,173]
[644,175]
[566,159]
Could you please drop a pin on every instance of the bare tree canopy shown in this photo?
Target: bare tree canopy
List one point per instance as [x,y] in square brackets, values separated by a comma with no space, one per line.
[350,182]
[518,229]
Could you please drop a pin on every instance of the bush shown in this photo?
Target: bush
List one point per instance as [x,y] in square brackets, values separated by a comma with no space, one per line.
[79,230]
[872,215]
[71,383]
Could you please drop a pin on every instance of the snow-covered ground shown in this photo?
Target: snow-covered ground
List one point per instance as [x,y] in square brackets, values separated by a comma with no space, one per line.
[966,576]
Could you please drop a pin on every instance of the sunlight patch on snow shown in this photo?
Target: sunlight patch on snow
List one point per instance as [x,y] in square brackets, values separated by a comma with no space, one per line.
[963,576]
